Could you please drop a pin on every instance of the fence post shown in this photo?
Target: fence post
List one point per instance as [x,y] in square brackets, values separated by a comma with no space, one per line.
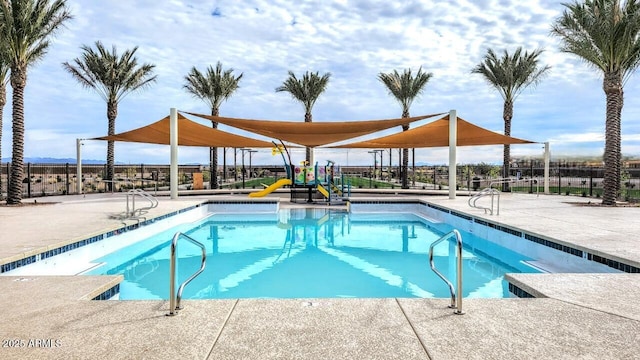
[590,180]
[8,176]
[531,175]
[559,181]
[29,182]
[66,169]
[434,177]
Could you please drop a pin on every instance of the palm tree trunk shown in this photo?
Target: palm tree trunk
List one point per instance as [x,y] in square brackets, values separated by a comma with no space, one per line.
[112,113]
[612,86]
[18,83]
[3,101]
[213,155]
[309,151]
[405,156]
[507,115]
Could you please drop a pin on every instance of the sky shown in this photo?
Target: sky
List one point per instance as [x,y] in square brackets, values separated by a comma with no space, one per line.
[353,40]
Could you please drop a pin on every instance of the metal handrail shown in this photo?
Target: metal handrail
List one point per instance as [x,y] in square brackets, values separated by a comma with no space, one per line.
[174,299]
[143,194]
[486,192]
[456,299]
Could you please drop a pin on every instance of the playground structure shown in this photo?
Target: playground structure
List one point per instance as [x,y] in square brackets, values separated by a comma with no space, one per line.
[307,180]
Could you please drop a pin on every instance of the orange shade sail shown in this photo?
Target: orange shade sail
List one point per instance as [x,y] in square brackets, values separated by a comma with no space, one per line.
[314,133]
[190,133]
[436,134]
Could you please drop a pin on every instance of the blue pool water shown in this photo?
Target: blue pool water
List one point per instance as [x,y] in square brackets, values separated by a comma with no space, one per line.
[312,253]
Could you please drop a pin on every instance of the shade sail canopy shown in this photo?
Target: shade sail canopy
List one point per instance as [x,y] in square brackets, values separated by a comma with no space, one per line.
[190,133]
[436,134]
[314,133]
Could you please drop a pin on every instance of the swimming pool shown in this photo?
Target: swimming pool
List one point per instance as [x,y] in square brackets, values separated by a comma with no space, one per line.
[312,253]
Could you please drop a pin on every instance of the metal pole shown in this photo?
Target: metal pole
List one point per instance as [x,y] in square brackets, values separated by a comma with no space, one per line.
[173,141]
[243,171]
[172,279]
[224,164]
[390,178]
[453,136]
[590,180]
[546,167]
[459,292]
[531,182]
[66,185]
[29,182]
[79,166]
[413,163]
[235,164]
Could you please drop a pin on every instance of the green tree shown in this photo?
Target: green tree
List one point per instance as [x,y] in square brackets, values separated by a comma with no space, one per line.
[510,74]
[605,34]
[213,87]
[4,79]
[405,88]
[26,27]
[112,77]
[306,90]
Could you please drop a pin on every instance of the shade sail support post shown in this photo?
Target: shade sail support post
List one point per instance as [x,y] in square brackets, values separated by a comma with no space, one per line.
[453,136]
[173,142]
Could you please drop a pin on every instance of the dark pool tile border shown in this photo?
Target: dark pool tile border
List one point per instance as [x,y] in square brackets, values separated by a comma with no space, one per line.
[613,263]
[108,294]
[515,290]
[515,232]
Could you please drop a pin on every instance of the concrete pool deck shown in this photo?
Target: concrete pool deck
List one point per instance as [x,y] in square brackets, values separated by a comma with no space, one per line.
[586,316]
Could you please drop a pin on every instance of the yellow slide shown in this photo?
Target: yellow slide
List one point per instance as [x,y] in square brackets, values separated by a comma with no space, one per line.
[278,184]
[323,191]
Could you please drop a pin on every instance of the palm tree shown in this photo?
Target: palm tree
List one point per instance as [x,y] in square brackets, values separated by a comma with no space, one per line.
[510,74]
[405,88]
[25,29]
[213,87]
[4,79]
[112,77]
[606,35]
[306,90]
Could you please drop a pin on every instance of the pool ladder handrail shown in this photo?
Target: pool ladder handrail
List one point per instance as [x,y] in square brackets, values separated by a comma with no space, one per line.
[131,210]
[456,297]
[484,193]
[174,299]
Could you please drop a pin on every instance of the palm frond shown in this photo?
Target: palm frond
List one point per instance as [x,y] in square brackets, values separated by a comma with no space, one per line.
[511,73]
[27,27]
[214,87]
[307,90]
[111,76]
[405,87]
[603,33]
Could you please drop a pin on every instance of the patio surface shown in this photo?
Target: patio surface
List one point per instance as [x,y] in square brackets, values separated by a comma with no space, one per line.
[575,316]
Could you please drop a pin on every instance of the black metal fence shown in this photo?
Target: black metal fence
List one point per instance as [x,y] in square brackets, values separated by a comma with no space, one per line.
[61,179]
